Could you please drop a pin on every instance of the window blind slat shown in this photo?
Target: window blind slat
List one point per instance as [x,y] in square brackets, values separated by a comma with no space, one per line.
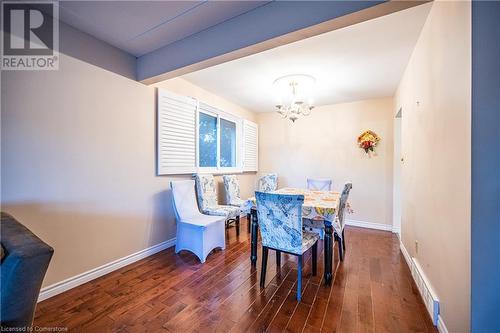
[250,149]
[176,143]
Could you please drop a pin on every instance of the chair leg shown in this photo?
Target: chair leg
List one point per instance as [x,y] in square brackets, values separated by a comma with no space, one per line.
[343,240]
[249,222]
[265,252]
[299,279]
[315,258]
[278,258]
[341,250]
[237,225]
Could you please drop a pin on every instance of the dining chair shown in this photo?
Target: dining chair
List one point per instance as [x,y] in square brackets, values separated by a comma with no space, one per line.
[319,184]
[280,223]
[197,233]
[233,198]
[208,203]
[340,218]
[268,183]
[232,187]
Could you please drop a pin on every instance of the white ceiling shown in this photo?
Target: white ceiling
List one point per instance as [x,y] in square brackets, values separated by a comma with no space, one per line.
[359,62]
[139,27]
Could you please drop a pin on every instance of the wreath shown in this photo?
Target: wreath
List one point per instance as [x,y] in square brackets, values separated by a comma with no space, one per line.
[368,140]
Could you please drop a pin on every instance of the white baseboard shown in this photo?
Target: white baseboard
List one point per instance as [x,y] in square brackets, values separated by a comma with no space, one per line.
[424,286]
[441,326]
[406,255]
[369,225]
[92,274]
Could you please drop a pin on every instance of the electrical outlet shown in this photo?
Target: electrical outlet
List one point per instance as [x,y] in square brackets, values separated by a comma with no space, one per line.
[416,246]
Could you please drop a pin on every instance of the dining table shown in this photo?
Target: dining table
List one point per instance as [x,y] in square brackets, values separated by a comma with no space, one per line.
[319,209]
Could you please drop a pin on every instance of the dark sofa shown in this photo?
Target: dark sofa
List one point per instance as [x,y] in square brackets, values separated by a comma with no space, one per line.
[25,259]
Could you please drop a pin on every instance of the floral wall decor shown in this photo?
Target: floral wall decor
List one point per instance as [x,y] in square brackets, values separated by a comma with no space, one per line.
[368,140]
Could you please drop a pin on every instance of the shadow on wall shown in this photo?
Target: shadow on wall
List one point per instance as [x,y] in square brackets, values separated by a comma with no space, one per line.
[163,217]
[221,191]
[84,239]
[87,48]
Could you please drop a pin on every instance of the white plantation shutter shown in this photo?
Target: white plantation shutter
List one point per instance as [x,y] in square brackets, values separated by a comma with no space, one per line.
[203,107]
[176,137]
[250,146]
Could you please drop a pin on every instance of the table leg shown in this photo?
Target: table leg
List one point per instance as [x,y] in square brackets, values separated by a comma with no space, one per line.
[249,222]
[328,253]
[253,251]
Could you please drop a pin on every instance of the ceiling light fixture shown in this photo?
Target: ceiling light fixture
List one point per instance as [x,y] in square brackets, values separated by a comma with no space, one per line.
[294,95]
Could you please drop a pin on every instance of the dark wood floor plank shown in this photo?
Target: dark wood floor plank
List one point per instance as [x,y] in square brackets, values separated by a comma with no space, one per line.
[317,314]
[154,319]
[335,299]
[299,318]
[252,313]
[281,319]
[266,316]
[372,292]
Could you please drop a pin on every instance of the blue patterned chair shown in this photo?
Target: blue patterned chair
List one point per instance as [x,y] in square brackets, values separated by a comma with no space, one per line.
[208,204]
[268,183]
[280,223]
[340,218]
[232,187]
[233,198]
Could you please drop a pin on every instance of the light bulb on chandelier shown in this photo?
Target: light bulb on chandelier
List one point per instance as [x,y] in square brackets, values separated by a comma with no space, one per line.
[294,90]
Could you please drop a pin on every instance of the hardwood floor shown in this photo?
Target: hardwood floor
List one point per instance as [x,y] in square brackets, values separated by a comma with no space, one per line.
[372,292]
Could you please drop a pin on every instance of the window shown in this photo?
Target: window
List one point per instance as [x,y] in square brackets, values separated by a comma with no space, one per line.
[227,143]
[196,137]
[207,138]
[218,137]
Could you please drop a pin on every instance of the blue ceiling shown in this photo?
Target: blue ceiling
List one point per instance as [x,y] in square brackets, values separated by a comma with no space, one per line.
[139,27]
[168,35]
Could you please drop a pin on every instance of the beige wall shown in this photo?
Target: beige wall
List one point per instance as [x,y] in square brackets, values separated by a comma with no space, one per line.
[435,94]
[78,163]
[324,145]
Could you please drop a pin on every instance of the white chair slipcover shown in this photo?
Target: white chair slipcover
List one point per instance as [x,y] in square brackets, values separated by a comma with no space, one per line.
[319,184]
[197,233]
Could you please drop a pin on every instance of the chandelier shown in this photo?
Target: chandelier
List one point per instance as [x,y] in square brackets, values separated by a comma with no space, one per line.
[294,95]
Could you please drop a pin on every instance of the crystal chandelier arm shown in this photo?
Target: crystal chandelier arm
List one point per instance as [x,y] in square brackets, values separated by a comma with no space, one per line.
[298,107]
